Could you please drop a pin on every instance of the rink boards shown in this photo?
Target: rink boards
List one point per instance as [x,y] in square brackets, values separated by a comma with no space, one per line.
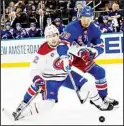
[19,53]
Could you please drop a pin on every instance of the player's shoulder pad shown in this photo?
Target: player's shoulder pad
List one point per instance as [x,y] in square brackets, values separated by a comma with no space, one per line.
[71,26]
[45,49]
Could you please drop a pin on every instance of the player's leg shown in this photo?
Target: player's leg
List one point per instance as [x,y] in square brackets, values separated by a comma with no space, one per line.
[50,97]
[86,86]
[81,80]
[95,97]
[101,83]
[98,73]
[30,93]
[52,89]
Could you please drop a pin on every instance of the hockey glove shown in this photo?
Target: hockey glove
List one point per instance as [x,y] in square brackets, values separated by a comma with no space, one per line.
[86,54]
[66,63]
[39,83]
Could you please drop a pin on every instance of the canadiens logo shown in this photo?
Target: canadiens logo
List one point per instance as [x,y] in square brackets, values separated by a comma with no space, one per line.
[57,64]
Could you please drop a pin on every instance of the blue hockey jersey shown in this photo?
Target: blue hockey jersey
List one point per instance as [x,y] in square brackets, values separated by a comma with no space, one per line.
[21,33]
[8,34]
[82,36]
[61,28]
[35,33]
[107,26]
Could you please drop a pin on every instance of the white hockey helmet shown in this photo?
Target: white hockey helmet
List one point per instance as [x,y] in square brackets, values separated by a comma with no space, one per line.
[49,30]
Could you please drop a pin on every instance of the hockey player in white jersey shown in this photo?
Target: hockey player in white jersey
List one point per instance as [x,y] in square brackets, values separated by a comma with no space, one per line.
[48,76]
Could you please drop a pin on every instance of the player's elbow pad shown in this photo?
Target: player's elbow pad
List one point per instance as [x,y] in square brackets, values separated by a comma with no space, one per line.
[62,50]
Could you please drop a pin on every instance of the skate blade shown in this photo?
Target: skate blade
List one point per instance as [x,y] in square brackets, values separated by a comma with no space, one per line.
[9,115]
[116,107]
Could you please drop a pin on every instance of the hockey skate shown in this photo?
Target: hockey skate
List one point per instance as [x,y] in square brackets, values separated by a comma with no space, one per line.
[104,106]
[112,101]
[19,110]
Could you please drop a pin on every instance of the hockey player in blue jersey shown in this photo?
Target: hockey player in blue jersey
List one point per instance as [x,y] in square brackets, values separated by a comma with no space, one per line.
[81,34]
[20,32]
[8,32]
[59,25]
[48,76]
[33,32]
[106,26]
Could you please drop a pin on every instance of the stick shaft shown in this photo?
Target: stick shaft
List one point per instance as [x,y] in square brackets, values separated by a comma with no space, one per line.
[75,88]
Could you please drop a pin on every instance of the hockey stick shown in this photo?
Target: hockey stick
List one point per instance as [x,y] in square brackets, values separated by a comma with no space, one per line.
[82,101]
[17,117]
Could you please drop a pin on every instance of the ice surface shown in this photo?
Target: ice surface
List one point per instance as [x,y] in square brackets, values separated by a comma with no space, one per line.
[69,111]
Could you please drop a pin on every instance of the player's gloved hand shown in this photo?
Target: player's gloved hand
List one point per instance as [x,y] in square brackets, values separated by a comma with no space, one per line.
[39,83]
[87,54]
[66,62]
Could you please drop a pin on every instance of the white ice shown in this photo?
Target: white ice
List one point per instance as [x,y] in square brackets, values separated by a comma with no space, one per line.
[69,111]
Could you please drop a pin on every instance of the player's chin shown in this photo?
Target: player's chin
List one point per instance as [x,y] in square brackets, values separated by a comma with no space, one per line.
[86,25]
[54,45]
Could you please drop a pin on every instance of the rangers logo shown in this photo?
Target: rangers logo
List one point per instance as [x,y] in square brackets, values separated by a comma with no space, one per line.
[80,42]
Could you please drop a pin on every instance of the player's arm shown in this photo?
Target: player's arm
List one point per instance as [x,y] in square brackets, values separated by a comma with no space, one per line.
[97,42]
[37,66]
[117,16]
[96,48]
[67,37]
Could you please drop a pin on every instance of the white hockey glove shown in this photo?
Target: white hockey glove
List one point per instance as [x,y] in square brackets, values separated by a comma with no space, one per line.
[66,62]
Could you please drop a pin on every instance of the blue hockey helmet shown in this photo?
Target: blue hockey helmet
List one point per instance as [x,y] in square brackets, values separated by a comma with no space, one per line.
[57,20]
[7,24]
[18,24]
[86,11]
[32,25]
[105,17]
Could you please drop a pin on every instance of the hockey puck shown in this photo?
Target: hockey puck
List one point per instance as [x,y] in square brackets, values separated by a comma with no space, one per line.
[101,118]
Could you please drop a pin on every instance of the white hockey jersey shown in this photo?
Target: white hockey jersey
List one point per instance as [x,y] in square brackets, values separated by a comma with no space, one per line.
[47,64]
